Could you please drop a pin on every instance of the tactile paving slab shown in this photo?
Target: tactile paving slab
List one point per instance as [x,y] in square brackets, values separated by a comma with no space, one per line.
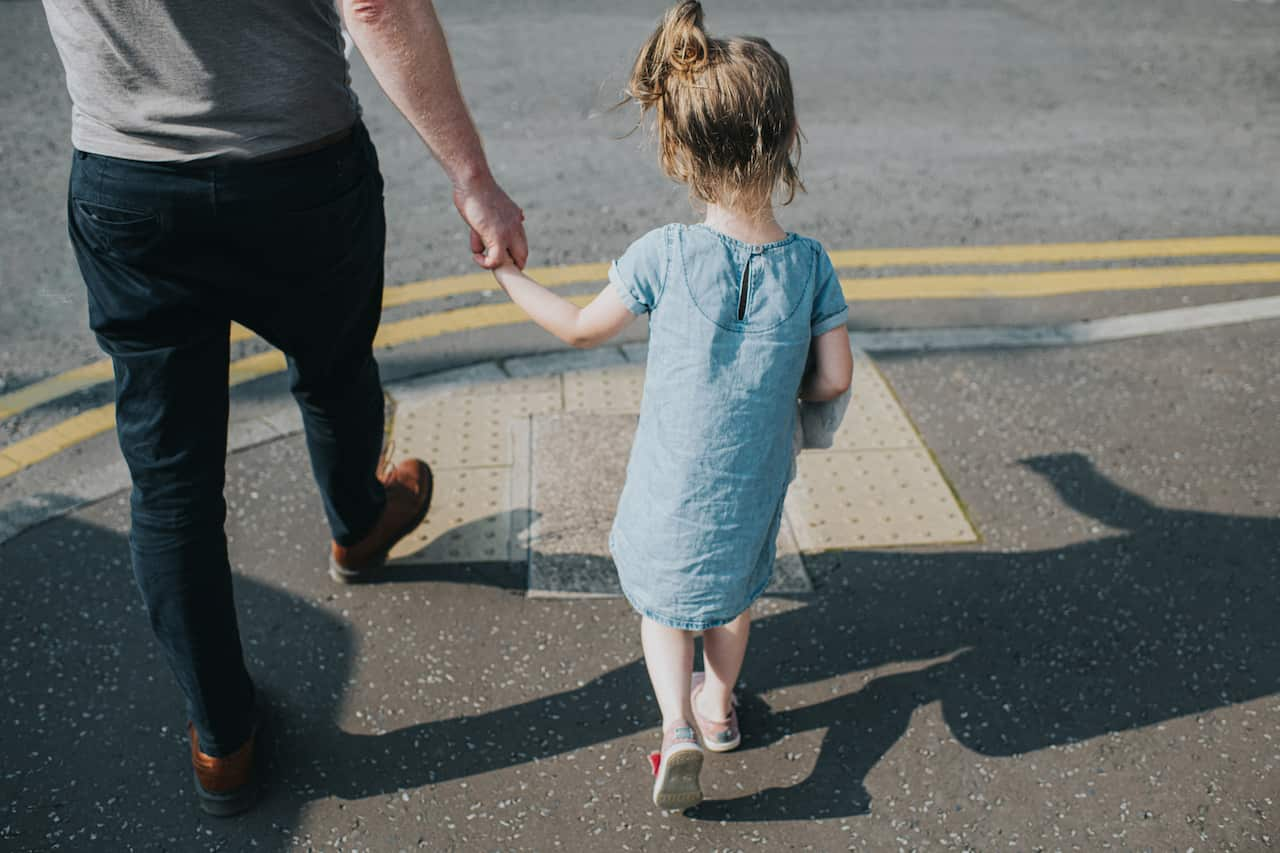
[469,426]
[875,419]
[616,389]
[473,521]
[479,509]
[872,499]
[579,465]
[528,471]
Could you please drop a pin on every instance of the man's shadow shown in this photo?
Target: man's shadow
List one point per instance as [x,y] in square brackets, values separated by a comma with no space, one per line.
[1169,614]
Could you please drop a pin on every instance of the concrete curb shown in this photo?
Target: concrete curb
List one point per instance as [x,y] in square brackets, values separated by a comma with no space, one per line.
[1078,333]
[69,495]
[62,498]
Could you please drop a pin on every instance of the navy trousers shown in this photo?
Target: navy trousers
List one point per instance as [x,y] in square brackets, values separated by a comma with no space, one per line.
[171,254]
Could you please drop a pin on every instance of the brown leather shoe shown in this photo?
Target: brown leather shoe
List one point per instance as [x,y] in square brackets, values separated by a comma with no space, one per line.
[408,486]
[225,786]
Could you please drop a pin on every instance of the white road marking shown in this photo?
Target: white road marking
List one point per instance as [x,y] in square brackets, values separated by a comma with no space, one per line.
[1072,334]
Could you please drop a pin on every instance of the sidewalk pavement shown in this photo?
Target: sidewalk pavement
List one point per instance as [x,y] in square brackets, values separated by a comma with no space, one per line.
[1100,670]
[531,457]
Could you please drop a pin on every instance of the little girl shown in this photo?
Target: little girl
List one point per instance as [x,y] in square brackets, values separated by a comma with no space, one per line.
[737,308]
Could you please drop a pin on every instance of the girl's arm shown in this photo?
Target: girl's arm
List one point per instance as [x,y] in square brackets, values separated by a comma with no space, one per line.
[830,366]
[580,327]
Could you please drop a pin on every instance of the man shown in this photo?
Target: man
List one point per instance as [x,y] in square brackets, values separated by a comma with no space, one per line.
[222,173]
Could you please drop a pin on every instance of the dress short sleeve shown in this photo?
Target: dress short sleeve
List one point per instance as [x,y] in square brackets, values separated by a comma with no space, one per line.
[639,275]
[829,308]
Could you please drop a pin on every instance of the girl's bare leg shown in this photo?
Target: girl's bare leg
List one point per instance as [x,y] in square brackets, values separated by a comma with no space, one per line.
[668,654]
[723,649]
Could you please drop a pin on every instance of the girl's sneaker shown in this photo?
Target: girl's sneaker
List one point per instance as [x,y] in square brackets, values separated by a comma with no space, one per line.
[676,769]
[717,735]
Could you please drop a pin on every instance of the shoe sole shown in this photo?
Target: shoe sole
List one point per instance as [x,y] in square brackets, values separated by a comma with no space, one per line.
[232,803]
[372,572]
[677,787]
[719,747]
[227,804]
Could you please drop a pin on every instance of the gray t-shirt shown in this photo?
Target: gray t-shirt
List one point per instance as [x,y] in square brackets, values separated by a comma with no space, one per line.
[176,80]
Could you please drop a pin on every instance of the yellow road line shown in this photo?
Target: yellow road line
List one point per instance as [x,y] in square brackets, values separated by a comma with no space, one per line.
[80,378]
[38,393]
[8,466]
[45,444]
[879,258]
[439,288]
[1040,253]
[1056,282]
[54,387]
[100,371]
[42,445]
[458,320]
[82,427]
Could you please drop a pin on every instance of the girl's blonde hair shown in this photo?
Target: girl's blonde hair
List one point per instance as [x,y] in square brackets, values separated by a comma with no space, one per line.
[724,112]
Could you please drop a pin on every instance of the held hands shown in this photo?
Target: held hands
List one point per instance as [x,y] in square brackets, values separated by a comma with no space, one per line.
[497,229]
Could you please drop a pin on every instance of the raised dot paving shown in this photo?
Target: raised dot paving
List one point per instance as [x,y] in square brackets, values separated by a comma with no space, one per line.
[529,468]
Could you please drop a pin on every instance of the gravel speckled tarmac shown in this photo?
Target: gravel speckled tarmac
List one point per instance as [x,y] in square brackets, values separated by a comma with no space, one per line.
[1102,672]
[928,122]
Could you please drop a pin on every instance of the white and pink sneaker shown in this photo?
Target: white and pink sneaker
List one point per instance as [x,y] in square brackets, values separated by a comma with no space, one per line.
[717,735]
[676,769]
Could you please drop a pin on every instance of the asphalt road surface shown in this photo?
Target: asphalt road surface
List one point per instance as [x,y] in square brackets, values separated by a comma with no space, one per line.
[1099,672]
[926,123]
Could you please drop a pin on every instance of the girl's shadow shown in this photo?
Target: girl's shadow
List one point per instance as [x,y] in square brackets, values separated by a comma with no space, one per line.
[1170,614]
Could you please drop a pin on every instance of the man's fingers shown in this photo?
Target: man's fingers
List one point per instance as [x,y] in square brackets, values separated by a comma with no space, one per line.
[497,235]
[494,256]
[519,248]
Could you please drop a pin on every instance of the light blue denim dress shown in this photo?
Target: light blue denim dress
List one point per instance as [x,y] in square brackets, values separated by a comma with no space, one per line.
[729,331]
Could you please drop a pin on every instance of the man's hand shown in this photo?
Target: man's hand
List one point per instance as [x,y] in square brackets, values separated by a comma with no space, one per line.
[497,232]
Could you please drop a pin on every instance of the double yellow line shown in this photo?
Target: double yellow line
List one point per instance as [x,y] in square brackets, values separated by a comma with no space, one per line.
[41,446]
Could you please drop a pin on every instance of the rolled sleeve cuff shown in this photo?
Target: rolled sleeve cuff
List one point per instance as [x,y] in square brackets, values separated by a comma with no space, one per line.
[624,291]
[831,321]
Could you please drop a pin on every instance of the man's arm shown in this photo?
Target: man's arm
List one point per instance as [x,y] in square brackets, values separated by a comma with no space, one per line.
[404,44]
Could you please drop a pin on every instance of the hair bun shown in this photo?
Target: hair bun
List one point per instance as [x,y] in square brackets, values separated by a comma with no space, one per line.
[679,47]
[686,49]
